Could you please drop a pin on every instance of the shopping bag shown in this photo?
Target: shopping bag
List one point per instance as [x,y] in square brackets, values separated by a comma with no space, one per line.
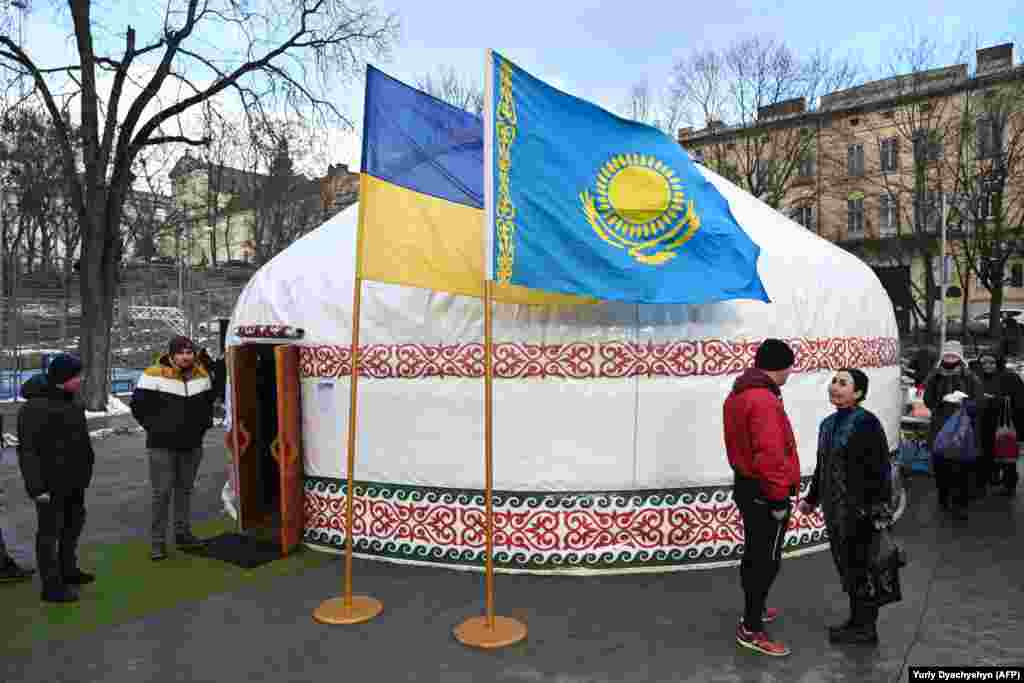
[1005,447]
[956,440]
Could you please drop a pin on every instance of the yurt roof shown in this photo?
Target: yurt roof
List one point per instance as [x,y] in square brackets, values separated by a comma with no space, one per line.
[818,290]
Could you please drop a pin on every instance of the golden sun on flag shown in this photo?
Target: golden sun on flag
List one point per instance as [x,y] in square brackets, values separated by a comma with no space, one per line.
[640,205]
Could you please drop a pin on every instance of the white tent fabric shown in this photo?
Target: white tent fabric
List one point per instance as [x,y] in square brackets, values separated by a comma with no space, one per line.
[568,434]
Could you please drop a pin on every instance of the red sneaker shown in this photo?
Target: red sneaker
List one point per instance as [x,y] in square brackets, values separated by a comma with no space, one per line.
[758,641]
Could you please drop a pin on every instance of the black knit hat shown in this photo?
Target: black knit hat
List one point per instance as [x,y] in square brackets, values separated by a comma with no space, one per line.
[62,368]
[180,343]
[774,354]
[860,381]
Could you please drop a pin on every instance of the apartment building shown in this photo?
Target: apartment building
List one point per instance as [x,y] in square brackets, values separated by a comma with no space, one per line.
[881,167]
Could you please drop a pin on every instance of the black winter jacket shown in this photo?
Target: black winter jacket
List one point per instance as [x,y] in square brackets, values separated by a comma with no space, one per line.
[174,412]
[54,449]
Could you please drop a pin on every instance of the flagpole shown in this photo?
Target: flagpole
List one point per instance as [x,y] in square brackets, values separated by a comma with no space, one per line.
[351,609]
[489,631]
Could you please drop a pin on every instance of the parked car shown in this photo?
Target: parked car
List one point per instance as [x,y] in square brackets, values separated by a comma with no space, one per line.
[979,323]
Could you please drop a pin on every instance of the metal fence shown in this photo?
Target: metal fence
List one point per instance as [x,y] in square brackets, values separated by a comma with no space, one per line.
[44,320]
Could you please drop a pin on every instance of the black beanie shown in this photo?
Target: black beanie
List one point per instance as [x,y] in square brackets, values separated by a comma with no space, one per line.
[860,381]
[179,344]
[63,367]
[774,354]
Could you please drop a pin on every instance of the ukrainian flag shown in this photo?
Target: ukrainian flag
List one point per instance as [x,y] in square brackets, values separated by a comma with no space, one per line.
[421,218]
[584,202]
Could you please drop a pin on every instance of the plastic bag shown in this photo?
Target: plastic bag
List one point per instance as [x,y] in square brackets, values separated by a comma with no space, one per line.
[956,440]
[1006,447]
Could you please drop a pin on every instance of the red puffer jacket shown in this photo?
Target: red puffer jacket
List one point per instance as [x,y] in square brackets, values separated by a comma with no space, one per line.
[759,438]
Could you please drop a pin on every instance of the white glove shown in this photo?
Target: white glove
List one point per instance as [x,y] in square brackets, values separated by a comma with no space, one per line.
[43,498]
[954,397]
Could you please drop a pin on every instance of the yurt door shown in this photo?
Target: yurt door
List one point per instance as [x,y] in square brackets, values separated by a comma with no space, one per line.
[246,436]
[288,447]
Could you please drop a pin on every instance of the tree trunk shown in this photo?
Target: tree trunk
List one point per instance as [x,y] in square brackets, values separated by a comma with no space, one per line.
[995,321]
[66,308]
[99,287]
[930,295]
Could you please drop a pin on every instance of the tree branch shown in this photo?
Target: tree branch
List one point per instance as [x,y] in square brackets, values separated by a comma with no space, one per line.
[159,140]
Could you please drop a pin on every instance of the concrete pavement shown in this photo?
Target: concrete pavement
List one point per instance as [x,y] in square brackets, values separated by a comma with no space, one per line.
[963,605]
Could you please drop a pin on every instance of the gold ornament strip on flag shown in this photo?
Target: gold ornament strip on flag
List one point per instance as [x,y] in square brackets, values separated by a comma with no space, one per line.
[505,210]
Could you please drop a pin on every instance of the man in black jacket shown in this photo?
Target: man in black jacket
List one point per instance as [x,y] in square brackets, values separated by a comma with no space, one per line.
[56,459]
[173,401]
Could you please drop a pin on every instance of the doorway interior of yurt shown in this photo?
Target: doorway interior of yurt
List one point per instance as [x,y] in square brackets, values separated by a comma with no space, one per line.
[266,440]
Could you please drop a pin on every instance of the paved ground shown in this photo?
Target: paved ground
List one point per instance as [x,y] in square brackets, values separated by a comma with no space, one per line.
[963,605]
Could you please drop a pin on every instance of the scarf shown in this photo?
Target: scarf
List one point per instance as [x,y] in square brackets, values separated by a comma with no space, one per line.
[836,429]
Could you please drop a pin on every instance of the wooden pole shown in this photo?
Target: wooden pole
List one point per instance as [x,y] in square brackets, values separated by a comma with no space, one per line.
[353,395]
[489,631]
[351,609]
[489,455]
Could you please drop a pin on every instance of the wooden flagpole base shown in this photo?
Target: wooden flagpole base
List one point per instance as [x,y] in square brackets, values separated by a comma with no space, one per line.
[334,611]
[476,632]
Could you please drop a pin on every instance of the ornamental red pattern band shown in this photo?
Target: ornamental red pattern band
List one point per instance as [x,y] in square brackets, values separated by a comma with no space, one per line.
[583,360]
[437,524]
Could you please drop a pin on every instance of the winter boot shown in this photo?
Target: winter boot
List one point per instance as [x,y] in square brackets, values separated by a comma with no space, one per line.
[58,592]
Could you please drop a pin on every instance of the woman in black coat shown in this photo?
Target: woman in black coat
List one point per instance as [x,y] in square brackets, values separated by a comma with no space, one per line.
[1004,393]
[851,484]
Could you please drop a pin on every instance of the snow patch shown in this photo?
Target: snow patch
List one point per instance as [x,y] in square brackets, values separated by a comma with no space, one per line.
[114,407]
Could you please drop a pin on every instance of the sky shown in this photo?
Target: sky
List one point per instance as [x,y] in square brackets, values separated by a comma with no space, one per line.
[598,49]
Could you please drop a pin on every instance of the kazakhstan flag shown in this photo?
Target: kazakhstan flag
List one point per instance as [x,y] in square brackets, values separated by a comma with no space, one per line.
[583,202]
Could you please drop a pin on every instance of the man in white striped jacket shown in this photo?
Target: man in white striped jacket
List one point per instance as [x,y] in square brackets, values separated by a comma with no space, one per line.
[173,401]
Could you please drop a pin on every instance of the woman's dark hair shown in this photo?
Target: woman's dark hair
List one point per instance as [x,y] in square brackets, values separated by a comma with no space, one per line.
[860,381]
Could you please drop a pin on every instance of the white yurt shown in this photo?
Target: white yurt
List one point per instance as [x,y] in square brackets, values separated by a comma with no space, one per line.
[608,447]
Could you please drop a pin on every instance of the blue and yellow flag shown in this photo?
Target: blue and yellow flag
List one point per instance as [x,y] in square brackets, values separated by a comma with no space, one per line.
[584,202]
[421,218]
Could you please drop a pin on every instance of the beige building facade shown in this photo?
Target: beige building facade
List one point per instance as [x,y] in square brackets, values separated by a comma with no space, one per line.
[881,167]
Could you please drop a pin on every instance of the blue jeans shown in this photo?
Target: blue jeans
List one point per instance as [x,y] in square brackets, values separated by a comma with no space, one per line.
[172,471]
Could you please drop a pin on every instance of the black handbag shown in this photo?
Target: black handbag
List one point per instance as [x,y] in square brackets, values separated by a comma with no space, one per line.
[885,553]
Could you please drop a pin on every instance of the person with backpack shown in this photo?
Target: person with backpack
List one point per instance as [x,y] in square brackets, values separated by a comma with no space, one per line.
[952,477]
[1003,407]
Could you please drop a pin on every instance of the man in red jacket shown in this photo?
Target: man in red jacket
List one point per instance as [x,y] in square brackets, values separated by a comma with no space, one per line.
[762,453]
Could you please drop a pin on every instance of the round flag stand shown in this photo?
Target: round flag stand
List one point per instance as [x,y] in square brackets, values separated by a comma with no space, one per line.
[350,609]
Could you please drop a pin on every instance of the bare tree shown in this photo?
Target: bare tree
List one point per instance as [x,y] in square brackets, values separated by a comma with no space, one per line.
[986,204]
[751,96]
[448,85]
[639,105]
[289,55]
[893,172]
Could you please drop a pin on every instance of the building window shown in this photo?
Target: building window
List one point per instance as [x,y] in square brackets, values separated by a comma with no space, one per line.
[1017,275]
[928,211]
[763,171]
[986,207]
[927,145]
[855,218]
[990,136]
[804,215]
[888,215]
[855,160]
[805,168]
[890,154]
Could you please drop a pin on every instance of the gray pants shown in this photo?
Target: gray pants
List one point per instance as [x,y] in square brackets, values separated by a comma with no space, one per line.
[172,470]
